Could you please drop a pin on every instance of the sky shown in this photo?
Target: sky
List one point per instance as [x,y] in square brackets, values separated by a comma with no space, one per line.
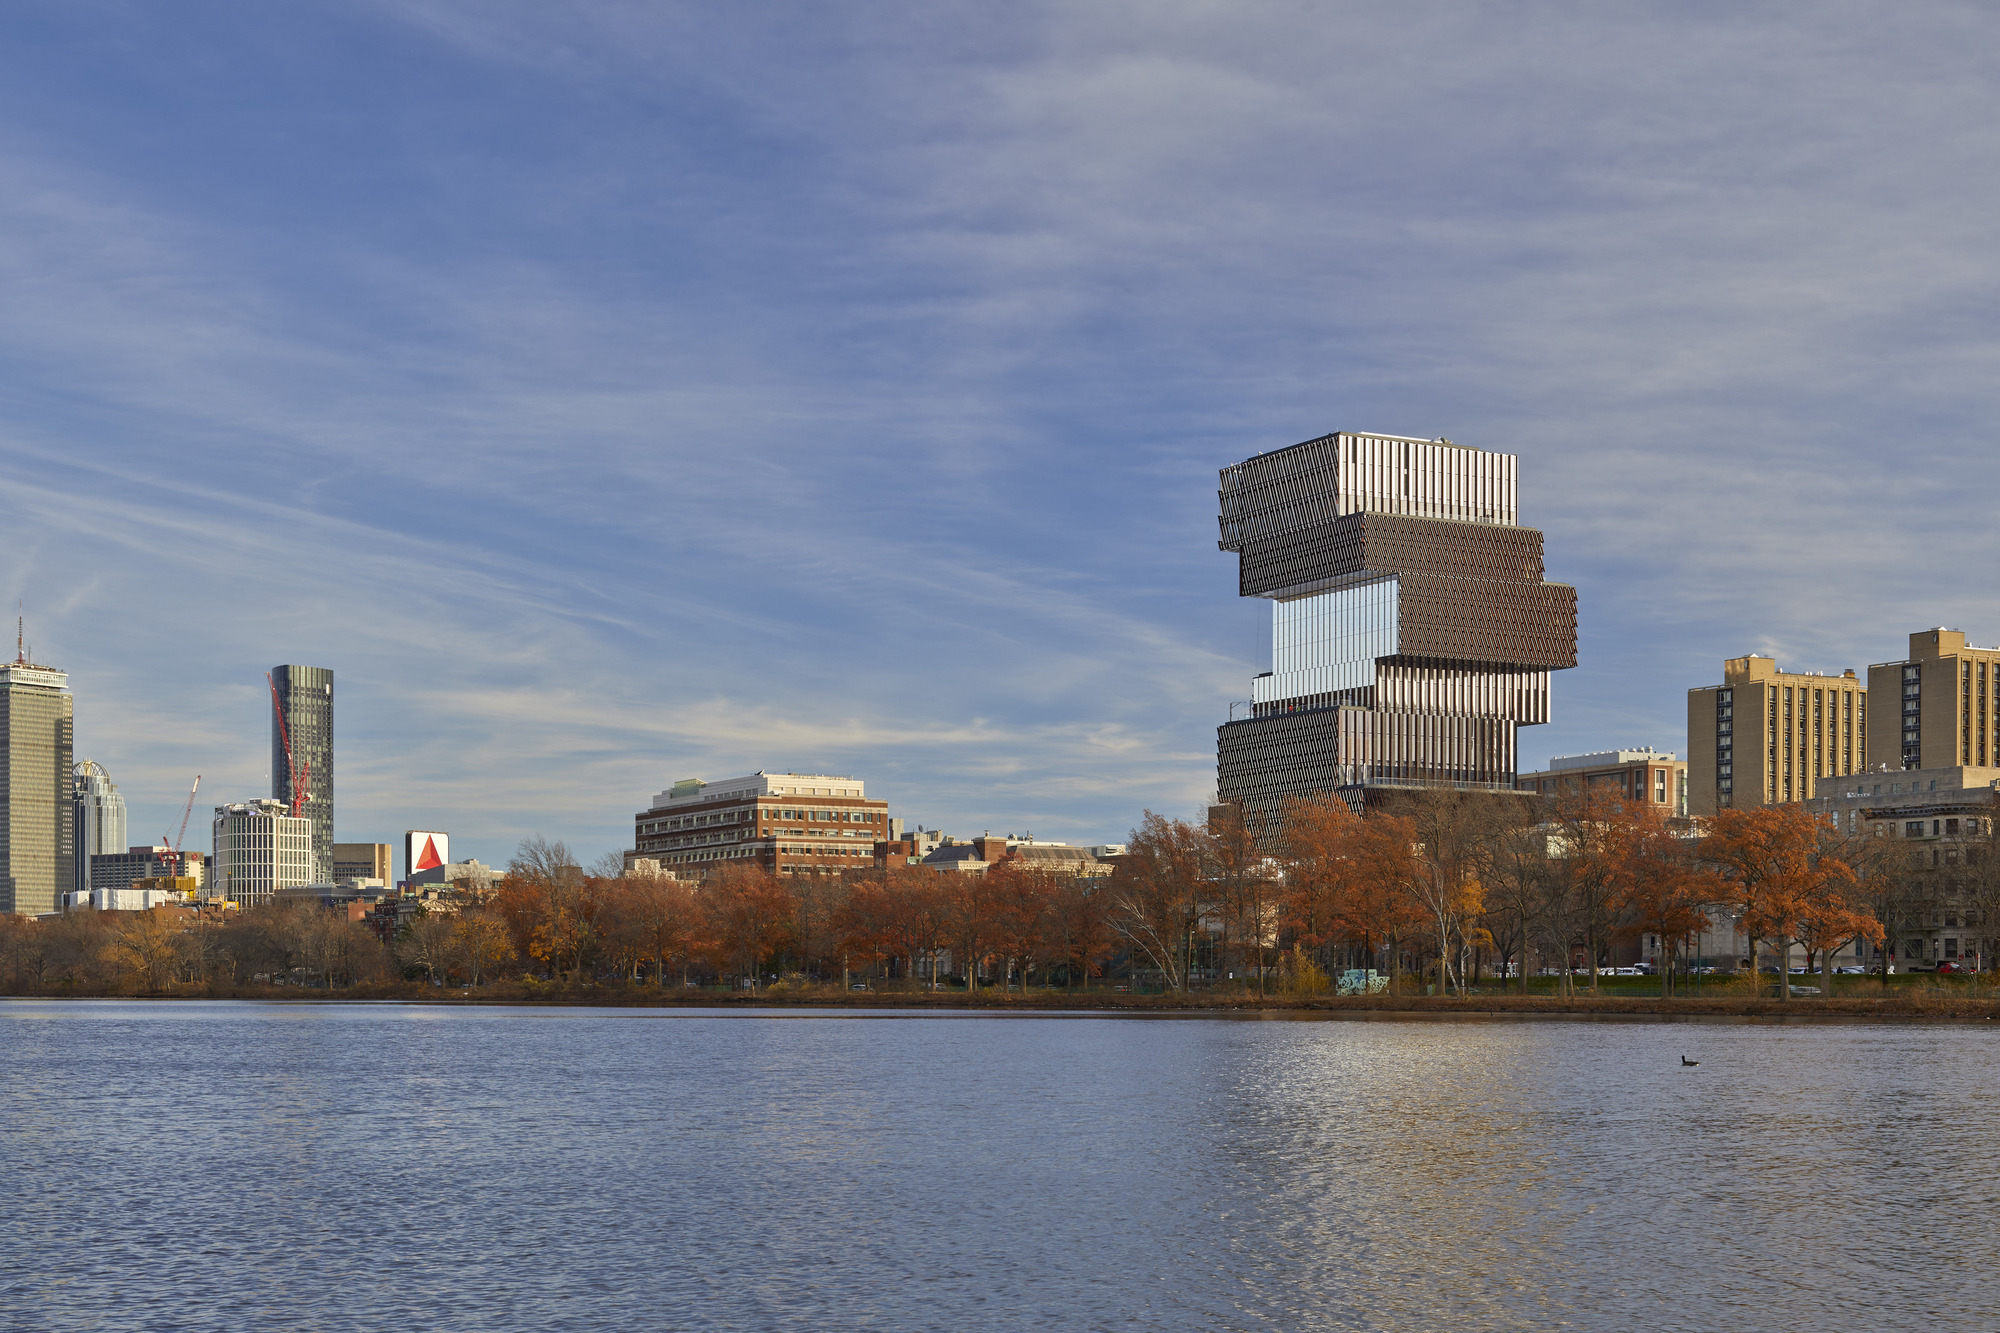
[613,393]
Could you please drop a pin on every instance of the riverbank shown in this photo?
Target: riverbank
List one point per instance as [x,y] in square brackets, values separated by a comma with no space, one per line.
[1898,1005]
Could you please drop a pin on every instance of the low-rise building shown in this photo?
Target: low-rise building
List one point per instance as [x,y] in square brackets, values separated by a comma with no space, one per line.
[467,877]
[120,870]
[1646,776]
[978,855]
[1934,829]
[784,823]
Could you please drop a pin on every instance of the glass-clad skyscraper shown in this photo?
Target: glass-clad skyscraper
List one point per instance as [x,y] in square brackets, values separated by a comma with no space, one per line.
[1411,630]
[305,696]
[99,820]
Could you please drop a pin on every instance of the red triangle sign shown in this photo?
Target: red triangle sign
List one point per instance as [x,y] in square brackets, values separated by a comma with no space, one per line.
[430,860]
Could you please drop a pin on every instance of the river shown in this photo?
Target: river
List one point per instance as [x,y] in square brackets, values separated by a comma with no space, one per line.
[329,1167]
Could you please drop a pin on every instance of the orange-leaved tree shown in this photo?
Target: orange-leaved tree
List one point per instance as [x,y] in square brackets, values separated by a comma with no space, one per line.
[745,913]
[1348,877]
[1785,878]
[1665,885]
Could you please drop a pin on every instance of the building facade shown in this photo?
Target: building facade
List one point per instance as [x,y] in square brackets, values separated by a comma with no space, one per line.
[98,820]
[1765,736]
[122,869]
[1944,714]
[785,823]
[260,848]
[1412,632]
[979,855]
[305,701]
[1935,828]
[363,860]
[1642,777]
[37,834]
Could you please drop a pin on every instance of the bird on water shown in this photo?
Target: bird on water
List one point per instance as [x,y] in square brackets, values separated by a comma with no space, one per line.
[1689,1063]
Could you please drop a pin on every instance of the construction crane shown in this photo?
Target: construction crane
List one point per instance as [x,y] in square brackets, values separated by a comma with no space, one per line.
[175,865]
[301,777]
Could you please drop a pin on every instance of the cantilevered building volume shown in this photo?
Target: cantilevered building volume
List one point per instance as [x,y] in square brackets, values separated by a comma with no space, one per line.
[1411,630]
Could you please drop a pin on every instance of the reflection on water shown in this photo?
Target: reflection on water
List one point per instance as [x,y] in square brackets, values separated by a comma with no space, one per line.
[359,1167]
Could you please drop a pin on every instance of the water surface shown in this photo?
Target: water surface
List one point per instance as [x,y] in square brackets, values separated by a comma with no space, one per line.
[205,1165]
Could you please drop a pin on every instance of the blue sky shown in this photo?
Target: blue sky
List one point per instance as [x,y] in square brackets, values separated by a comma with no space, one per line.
[613,393]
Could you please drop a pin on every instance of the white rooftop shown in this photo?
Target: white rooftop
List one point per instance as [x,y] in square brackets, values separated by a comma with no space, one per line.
[690,790]
[1610,759]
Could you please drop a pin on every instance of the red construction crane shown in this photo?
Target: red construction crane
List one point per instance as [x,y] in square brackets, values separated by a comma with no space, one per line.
[301,777]
[175,865]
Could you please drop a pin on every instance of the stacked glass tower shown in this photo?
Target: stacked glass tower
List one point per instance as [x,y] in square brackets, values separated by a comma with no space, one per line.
[305,697]
[1411,630]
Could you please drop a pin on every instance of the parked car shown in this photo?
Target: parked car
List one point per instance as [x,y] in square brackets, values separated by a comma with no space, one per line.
[1851,970]
[1956,968]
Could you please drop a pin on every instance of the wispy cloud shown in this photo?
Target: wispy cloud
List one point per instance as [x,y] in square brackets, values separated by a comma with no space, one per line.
[615,391]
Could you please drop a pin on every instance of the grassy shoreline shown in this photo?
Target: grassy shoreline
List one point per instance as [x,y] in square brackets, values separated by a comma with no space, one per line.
[1899,1005]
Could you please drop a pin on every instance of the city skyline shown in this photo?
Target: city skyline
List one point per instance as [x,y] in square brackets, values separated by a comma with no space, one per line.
[613,397]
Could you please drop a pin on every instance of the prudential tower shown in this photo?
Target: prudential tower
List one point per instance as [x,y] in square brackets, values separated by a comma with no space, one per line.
[1412,633]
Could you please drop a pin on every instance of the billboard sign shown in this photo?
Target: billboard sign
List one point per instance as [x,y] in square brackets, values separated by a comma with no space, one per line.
[424,850]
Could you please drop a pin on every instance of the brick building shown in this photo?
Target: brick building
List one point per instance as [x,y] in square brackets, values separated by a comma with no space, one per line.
[785,823]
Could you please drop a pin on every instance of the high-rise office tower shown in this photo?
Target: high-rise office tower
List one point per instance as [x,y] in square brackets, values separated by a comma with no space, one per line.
[305,699]
[37,836]
[98,819]
[1411,630]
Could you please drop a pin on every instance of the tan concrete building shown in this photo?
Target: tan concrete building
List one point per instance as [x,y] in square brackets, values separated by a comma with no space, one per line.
[1766,736]
[362,860]
[1648,776]
[1943,714]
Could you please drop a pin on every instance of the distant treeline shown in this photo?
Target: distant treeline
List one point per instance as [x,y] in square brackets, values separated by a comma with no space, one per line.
[1432,889]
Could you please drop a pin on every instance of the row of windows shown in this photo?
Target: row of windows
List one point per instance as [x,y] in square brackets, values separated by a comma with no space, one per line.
[747,815]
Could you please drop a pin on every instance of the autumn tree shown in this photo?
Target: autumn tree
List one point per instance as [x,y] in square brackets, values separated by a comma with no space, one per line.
[745,911]
[1245,885]
[1347,876]
[1453,832]
[543,901]
[479,942]
[1517,882]
[1665,886]
[425,941]
[669,912]
[1077,927]
[1156,893]
[1783,873]
[1021,896]
[147,946]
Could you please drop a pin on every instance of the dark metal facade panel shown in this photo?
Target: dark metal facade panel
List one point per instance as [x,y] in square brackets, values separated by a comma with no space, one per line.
[1488,620]
[1260,761]
[1370,543]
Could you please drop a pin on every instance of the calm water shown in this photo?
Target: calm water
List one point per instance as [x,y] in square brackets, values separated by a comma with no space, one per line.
[360,1167]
